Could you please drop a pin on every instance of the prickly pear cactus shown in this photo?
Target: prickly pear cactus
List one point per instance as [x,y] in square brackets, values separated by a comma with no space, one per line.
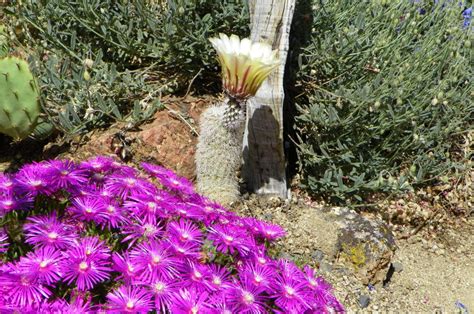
[3,41]
[19,106]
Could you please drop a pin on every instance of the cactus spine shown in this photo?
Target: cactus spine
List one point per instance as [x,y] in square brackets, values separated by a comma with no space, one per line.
[219,151]
[19,106]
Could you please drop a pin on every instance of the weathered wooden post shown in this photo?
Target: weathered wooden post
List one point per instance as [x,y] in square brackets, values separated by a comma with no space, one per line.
[264,159]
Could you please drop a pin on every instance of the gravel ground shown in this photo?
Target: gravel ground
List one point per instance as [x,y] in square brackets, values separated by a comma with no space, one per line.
[433,273]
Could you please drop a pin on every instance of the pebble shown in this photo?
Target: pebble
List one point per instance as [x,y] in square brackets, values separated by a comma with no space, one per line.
[325,267]
[397,267]
[318,255]
[364,301]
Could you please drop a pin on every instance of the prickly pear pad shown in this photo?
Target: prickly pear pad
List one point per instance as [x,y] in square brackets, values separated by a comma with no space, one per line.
[19,106]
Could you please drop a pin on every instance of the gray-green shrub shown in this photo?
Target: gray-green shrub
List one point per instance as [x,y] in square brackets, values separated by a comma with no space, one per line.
[388,96]
[139,48]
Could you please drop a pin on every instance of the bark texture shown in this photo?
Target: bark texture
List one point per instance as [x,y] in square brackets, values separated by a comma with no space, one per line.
[264,158]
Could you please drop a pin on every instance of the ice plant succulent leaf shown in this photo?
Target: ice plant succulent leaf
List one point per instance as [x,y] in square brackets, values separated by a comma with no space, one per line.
[245,65]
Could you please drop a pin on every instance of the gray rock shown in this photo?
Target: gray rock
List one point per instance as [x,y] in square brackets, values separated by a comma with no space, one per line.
[364,301]
[318,255]
[325,267]
[397,267]
[344,236]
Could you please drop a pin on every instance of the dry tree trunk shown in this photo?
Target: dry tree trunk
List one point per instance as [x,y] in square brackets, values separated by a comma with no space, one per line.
[264,159]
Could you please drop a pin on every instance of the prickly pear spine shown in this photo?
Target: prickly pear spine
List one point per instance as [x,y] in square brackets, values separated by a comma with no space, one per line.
[19,105]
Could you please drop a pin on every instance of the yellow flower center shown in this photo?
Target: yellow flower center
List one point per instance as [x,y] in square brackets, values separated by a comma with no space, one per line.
[130,305]
[248,297]
[83,266]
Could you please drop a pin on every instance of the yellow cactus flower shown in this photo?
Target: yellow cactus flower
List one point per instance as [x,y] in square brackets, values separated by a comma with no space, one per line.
[245,65]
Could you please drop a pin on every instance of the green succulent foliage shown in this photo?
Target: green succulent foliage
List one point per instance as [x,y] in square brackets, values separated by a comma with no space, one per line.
[388,96]
[19,107]
[140,50]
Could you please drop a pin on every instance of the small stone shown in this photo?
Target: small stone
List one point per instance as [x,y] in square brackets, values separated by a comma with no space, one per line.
[325,267]
[364,301]
[318,255]
[397,267]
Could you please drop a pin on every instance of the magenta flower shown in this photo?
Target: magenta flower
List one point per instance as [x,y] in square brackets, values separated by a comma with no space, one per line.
[89,208]
[164,290]
[86,263]
[147,229]
[288,289]
[194,275]
[22,289]
[183,250]
[265,230]
[257,274]
[31,180]
[129,299]
[6,183]
[218,278]
[44,263]
[98,164]
[245,297]
[155,259]
[190,301]
[228,239]
[322,299]
[65,175]
[127,269]
[184,231]
[48,231]
[114,214]
[123,186]
[169,179]
[3,241]
[147,206]
[10,201]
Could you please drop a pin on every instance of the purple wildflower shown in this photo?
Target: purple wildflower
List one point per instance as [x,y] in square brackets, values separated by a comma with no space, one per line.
[194,275]
[123,186]
[31,180]
[229,238]
[148,229]
[190,301]
[145,205]
[189,250]
[257,274]
[184,231]
[43,263]
[245,297]
[89,208]
[156,260]
[114,214]
[125,266]
[218,278]
[265,230]
[66,175]
[128,299]
[22,289]
[3,241]
[288,289]
[86,263]
[48,231]
[163,290]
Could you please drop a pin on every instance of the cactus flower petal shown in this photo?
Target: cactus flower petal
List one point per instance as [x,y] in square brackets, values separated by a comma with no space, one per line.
[245,65]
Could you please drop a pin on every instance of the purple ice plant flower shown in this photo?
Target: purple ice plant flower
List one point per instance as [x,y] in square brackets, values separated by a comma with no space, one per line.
[164,290]
[245,297]
[289,290]
[169,179]
[3,241]
[123,186]
[125,266]
[145,205]
[229,239]
[322,299]
[65,174]
[257,274]
[190,301]
[265,230]
[43,263]
[22,289]
[184,231]
[114,215]
[194,275]
[147,229]
[218,278]
[32,179]
[156,259]
[48,231]
[89,208]
[129,299]
[86,263]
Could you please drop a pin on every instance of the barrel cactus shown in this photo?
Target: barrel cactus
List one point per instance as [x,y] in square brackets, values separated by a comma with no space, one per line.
[19,105]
